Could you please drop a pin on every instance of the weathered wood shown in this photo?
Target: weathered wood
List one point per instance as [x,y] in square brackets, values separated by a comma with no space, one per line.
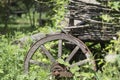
[39,63]
[94,28]
[87,1]
[43,41]
[59,48]
[80,63]
[96,38]
[72,53]
[89,12]
[93,33]
[91,8]
[47,53]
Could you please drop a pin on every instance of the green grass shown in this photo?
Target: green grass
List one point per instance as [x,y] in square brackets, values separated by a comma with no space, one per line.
[12,58]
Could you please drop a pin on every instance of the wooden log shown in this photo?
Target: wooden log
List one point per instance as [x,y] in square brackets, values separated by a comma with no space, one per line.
[92,21]
[97,38]
[94,2]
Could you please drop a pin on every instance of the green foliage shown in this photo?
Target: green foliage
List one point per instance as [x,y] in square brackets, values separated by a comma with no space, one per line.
[110,16]
[56,10]
[59,11]
[111,71]
[114,46]
[114,5]
[12,56]
[106,17]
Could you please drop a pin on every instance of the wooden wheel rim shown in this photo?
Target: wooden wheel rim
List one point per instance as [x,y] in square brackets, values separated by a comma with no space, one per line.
[48,38]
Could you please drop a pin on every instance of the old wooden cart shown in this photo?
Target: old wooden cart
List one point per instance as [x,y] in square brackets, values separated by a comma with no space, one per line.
[70,44]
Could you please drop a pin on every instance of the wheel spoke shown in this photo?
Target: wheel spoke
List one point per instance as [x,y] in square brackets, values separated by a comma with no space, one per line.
[60,37]
[72,53]
[80,63]
[47,53]
[59,48]
[38,63]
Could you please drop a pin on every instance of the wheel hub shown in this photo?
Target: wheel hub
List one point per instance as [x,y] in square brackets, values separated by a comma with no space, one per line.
[59,70]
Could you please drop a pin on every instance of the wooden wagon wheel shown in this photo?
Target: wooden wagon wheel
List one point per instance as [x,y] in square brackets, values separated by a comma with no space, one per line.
[61,38]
